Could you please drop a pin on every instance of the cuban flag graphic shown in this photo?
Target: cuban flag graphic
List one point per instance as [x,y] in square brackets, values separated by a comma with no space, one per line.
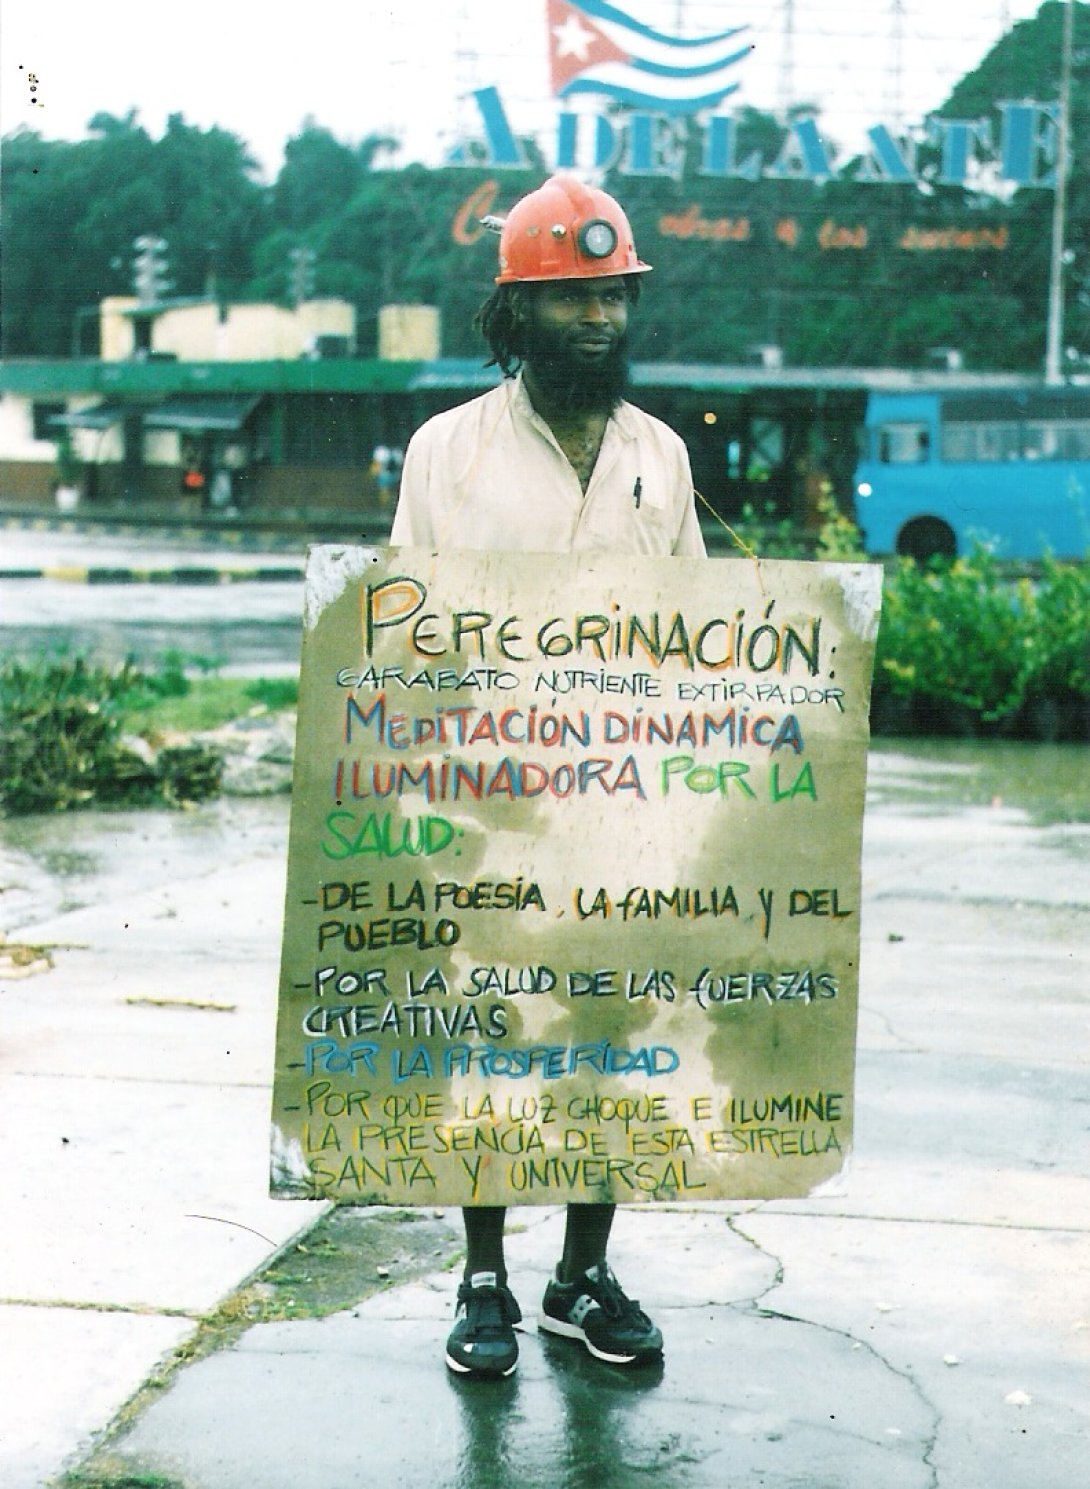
[596,48]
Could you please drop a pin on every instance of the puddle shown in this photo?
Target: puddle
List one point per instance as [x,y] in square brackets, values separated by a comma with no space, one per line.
[51,863]
[1050,783]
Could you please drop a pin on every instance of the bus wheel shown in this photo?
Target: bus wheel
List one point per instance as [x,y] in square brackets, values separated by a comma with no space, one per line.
[925,538]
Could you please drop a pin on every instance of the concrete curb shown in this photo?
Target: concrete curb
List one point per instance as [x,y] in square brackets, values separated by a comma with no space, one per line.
[269,532]
[188,574]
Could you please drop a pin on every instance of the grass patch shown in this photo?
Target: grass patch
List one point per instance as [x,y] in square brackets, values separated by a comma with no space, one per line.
[350,1255]
[121,1479]
[76,733]
[209,703]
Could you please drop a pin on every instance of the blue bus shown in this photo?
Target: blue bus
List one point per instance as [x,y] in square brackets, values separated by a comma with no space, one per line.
[941,472]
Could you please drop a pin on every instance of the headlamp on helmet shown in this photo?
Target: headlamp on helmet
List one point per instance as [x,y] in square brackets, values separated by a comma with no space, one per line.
[597,238]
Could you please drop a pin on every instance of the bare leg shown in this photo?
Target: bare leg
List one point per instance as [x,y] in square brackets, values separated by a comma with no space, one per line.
[585,1239]
[484,1241]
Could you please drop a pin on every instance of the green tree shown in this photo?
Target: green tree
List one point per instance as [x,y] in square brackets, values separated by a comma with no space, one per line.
[395,241]
[212,210]
[1026,63]
[72,210]
[320,174]
[835,273]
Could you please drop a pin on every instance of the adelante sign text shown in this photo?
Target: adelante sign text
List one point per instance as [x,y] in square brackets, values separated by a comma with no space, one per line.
[639,143]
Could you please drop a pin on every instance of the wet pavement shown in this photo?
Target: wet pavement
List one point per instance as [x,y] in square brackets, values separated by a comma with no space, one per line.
[233,606]
[59,544]
[923,1322]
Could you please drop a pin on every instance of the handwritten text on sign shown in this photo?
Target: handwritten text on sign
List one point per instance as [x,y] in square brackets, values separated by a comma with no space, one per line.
[573,889]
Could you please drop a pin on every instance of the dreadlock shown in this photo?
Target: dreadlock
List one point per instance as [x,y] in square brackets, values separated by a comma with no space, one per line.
[502,321]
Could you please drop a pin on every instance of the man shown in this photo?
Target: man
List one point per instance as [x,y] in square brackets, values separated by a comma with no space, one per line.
[553,460]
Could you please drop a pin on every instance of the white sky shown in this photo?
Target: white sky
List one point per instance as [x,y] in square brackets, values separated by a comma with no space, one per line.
[369,66]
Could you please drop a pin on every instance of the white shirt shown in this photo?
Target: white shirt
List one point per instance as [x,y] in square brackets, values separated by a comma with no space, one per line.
[490,475]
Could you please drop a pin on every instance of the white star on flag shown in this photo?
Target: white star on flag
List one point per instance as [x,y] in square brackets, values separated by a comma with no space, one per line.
[596,47]
[572,39]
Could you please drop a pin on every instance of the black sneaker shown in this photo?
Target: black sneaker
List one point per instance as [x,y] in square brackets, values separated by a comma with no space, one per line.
[482,1341]
[595,1310]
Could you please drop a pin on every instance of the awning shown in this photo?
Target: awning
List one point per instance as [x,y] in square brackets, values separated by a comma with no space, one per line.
[452,372]
[95,416]
[198,414]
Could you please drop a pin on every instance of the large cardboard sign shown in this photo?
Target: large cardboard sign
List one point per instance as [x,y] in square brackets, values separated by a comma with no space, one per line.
[573,885]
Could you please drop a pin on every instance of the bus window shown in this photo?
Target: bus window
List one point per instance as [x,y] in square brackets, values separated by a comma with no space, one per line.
[1041,441]
[1056,440]
[959,442]
[767,444]
[981,441]
[903,444]
[999,442]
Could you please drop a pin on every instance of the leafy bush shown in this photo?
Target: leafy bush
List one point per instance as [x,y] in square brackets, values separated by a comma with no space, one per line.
[187,772]
[767,535]
[957,635]
[62,743]
[836,540]
[169,680]
[963,647]
[1061,640]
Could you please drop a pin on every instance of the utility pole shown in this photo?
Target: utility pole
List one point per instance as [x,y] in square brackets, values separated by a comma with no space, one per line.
[466,71]
[897,46]
[787,61]
[1055,333]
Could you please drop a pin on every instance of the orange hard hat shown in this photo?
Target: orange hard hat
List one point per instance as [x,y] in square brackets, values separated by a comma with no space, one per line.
[566,230]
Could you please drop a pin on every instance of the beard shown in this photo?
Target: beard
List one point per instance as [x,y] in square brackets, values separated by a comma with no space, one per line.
[572,381]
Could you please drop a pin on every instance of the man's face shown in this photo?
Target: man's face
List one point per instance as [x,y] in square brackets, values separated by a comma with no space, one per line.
[584,317]
[575,334]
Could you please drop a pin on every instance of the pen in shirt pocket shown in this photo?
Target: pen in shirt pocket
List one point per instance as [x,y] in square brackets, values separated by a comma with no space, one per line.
[636,490]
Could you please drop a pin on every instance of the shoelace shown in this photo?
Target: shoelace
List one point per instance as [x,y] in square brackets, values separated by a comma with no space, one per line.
[486,1308]
[613,1301]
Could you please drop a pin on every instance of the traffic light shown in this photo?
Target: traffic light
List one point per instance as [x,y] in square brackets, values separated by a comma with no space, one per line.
[301,274]
[149,268]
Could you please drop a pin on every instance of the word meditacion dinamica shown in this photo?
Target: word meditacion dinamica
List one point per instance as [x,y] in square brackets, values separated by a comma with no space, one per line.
[464,726]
